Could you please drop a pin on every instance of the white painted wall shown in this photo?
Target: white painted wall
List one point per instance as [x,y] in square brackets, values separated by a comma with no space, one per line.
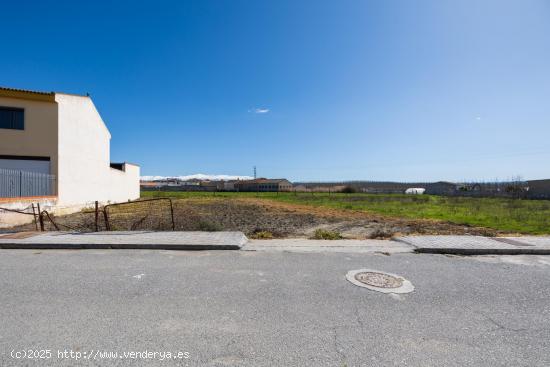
[84,172]
[9,219]
[125,184]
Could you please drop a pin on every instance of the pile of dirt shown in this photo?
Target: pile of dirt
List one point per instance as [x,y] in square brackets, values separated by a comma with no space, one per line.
[255,215]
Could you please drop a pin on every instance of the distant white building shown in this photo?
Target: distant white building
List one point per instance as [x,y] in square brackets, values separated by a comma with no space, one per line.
[62,135]
[415,191]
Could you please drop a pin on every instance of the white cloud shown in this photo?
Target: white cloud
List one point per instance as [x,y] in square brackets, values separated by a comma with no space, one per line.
[259,110]
[198,176]
[478,118]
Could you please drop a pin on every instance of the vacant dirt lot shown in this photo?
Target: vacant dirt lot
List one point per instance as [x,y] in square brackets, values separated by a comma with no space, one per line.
[255,215]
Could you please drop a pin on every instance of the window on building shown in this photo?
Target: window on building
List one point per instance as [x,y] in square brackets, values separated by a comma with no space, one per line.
[12,118]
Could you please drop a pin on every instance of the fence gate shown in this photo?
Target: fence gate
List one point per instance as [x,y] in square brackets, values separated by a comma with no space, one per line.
[150,214]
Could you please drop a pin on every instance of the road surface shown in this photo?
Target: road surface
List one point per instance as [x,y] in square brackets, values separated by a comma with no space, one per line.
[246,308]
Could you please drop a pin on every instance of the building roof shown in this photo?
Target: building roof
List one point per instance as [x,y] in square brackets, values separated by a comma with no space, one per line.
[30,94]
[264,180]
[25,91]
[546,180]
[27,94]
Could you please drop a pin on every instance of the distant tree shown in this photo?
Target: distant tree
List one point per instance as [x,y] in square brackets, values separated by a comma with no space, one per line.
[349,189]
[517,188]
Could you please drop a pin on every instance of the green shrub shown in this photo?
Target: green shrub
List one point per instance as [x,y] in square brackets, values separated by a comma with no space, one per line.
[262,235]
[209,226]
[323,234]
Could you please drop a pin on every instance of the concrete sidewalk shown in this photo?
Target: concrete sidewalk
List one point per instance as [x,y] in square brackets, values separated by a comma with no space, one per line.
[306,245]
[460,245]
[477,245]
[124,240]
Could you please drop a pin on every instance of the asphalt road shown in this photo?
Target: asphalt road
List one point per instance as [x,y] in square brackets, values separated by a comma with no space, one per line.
[245,308]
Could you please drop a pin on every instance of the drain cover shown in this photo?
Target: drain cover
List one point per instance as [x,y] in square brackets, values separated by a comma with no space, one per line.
[379,281]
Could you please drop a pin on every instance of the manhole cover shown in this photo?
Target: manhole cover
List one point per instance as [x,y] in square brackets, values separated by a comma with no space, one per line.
[379,281]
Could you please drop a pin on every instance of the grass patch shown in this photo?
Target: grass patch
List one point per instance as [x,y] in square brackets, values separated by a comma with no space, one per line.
[323,234]
[261,235]
[207,226]
[507,215]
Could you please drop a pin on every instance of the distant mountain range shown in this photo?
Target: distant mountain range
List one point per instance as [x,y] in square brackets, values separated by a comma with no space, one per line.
[198,176]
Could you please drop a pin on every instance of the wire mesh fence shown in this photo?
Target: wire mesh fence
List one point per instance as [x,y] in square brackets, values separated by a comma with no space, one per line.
[150,214]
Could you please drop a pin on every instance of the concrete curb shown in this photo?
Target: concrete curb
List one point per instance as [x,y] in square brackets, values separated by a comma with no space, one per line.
[128,246]
[477,245]
[482,251]
[188,241]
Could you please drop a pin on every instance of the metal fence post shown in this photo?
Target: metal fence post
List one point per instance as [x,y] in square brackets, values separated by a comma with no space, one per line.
[40,218]
[106,217]
[34,216]
[51,220]
[96,216]
[172,214]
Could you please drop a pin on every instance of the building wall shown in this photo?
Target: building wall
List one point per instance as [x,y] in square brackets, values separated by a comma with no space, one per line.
[229,186]
[124,185]
[539,189]
[50,204]
[285,185]
[39,138]
[84,173]
[263,186]
[10,219]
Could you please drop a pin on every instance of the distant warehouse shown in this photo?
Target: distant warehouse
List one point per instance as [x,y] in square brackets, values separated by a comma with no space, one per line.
[264,184]
[538,189]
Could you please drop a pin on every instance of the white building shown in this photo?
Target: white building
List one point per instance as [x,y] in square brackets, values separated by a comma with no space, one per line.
[415,191]
[62,135]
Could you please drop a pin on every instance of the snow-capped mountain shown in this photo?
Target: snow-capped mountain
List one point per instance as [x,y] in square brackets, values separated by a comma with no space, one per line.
[198,176]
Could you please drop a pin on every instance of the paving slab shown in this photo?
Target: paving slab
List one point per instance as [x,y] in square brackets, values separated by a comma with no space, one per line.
[543,241]
[125,240]
[306,245]
[477,245]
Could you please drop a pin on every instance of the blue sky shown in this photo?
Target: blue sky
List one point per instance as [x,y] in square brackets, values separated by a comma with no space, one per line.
[380,90]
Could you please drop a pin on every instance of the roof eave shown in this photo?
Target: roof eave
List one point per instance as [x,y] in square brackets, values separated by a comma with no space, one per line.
[27,94]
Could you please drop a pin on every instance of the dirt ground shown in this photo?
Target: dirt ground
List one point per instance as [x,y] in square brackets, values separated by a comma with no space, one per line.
[253,216]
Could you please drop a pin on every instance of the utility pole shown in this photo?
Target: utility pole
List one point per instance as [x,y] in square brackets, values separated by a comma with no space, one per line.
[254,172]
